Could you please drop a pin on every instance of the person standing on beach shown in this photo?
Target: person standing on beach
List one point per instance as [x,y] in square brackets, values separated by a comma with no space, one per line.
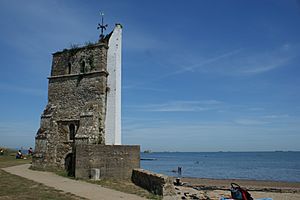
[179,171]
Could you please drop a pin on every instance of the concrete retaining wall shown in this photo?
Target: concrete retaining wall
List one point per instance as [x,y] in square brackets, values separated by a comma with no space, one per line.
[158,184]
[114,161]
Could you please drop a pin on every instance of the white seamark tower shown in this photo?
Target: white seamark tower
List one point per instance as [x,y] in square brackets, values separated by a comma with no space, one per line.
[113,107]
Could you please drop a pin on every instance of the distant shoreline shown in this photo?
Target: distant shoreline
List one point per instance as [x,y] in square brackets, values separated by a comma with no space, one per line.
[276,151]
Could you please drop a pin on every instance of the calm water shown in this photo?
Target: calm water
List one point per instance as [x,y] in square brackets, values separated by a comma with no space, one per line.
[275,166]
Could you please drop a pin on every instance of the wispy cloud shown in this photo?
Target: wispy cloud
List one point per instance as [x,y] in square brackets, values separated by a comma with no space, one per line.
[208,61]
[181,106]
[257,64]
[242,61]
[276,116]
[250,122]
[264,119]
[136,87]
[256,61]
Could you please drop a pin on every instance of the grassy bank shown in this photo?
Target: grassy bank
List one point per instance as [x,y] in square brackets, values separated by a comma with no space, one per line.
[15,187]
[9,159]
[126,186]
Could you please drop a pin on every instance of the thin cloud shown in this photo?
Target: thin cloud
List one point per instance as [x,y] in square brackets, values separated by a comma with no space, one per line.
[276,116]
[208,61]
[266,65]
[265,119]
[136,87]
[254,61]
[202,63]
[241,61]
[181,106]
[250,122]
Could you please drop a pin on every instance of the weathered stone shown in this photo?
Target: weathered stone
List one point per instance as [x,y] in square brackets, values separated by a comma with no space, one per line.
[158,184]
[76,98]
[114,161]
[72,125]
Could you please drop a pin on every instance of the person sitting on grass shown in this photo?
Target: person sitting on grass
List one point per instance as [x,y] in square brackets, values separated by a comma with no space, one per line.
[30,151]
[19,155]
[1,152]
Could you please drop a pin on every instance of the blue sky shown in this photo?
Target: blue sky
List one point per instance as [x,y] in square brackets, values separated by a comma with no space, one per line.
[197,75]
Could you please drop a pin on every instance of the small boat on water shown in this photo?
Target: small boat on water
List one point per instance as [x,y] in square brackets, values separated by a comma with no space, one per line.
[148,158]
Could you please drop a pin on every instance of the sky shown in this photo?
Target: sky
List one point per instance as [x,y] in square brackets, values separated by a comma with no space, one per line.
[197,75]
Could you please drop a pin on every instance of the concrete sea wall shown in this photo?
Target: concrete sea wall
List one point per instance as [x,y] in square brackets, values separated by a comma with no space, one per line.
[158,184]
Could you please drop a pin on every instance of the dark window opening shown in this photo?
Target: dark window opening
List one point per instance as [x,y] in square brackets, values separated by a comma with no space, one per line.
[72,131]
[69,68]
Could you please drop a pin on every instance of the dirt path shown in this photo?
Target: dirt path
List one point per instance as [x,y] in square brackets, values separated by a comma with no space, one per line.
[79,188]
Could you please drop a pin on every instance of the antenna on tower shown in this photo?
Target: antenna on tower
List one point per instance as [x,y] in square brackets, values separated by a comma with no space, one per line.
[102,26]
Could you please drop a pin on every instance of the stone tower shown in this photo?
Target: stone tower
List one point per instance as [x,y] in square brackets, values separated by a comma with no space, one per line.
[84,104]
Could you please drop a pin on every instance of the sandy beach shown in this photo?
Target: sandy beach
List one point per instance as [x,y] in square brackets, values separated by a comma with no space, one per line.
[214,189]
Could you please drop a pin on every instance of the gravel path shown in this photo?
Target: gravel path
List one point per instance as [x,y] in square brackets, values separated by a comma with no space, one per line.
[79,188]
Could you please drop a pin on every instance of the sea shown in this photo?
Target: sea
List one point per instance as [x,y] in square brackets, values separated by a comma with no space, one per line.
[268,166]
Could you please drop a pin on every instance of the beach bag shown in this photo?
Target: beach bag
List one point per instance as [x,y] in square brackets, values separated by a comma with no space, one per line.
[239,193]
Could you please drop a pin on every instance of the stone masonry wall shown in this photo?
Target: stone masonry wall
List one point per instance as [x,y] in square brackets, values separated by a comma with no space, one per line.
[114,161]
[155,183]
[76,100]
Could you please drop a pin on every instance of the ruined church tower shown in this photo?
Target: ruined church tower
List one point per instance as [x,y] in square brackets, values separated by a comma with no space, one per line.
[84,101]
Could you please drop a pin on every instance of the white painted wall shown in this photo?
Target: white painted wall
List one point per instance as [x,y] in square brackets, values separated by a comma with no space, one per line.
[113,112]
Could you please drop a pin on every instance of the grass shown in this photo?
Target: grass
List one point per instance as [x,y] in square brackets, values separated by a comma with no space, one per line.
[16,187]
[126,186]
[9,159]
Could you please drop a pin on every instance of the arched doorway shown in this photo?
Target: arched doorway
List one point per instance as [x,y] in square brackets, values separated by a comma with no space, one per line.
[70,164]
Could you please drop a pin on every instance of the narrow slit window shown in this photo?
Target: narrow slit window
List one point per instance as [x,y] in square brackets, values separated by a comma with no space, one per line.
[72,131]
[69,68]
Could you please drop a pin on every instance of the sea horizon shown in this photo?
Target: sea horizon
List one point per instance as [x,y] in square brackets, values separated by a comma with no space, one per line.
[281,166]
[220,151]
